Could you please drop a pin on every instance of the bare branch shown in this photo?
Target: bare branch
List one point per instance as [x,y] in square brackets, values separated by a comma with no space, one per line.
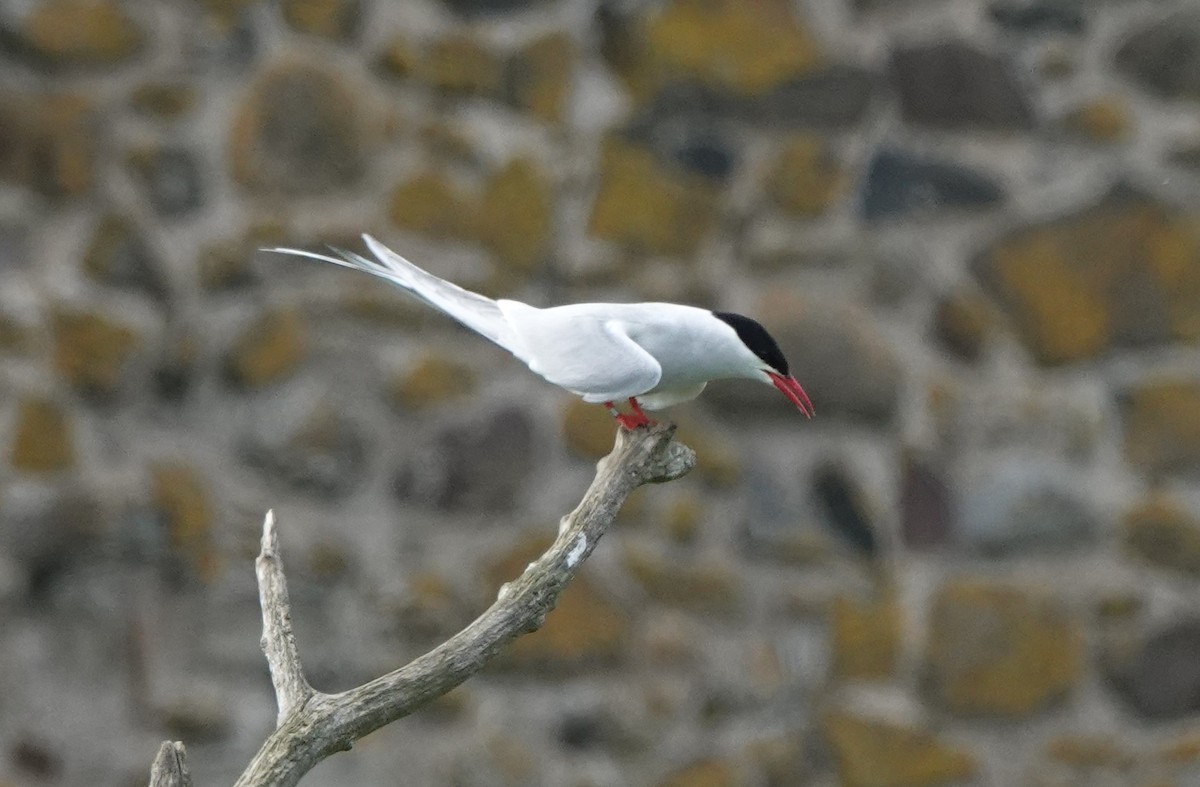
[170,767]
[278,641]
[312,725]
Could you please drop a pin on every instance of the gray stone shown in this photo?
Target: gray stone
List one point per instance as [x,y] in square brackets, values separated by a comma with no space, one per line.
[325,457]
[1041,16]
[44,528]
[474,466]
[900,185]
[171,178]
[1026,508]
[952,85]
[298,131]
[1164,56]
[118,255]
[927,516]
[844,509]
[1162,679]
[484,7]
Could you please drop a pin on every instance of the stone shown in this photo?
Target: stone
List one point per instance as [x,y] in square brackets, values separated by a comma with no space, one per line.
[704,588]
[297,131]
[1163,56]
[954,86]
[682,520]
[1161,680]
[92,351]
[118,255]
[43,440]
[1090,752]
[323,457]
[223,35]
[269,350]
[461,64]
[927,512]
[1000,650]
[470,8]
[1162,533]
[80,33]
[176,367]
[432,380]
[48,143]
[1125,272]
[1102,121]
[429,203]
[36,757]
[16,337]
[338,20]
[837,352]
[705,773]
[1186,154]
[538,77]
[586,628]
[182,499]
[746,48]
[171,178]
[650,208]
[806,179]
[903,186]
[961,324]
[588,429]
[866,636]
[225,266]
[1162,426]
[1024,507]
[398,58]
[202,720]
[1042,16]
[516,213]
[164,100]
[480,465]
[846,510]
[876,753]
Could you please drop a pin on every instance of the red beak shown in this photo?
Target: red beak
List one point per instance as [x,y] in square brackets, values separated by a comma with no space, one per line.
[792,390]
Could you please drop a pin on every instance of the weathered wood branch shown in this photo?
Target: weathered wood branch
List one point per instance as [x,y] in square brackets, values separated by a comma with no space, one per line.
[170,766]
[312,725]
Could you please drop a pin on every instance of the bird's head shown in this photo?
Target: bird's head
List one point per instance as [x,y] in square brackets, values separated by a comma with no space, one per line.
[767,363]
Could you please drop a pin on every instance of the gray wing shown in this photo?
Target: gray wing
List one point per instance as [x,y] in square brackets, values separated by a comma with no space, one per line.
[473,310]
[588,355]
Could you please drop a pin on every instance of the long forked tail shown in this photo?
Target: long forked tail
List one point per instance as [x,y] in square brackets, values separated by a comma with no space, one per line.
[479,313]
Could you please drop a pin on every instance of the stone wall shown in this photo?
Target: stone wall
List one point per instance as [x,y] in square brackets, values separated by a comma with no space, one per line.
[972,224]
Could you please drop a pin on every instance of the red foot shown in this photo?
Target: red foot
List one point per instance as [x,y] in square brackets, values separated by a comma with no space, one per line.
[630,422]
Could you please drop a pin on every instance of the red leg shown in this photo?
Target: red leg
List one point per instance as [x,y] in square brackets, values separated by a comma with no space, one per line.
[644,420]
[629,422]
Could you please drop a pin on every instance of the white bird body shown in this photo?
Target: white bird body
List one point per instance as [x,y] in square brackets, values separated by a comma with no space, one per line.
[650,354]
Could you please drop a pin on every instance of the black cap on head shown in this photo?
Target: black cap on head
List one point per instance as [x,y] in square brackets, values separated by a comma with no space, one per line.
[757,339]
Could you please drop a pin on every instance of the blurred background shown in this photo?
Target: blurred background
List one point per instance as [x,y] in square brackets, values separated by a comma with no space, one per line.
[972,224]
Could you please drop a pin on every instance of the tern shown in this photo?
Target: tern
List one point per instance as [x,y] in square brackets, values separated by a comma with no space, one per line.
[651,355]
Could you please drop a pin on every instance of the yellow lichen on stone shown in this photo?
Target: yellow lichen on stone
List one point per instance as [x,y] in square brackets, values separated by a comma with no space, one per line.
[749,46]
[645,206]
[91,350]
[43,442]
[461,64]
[91,31]
[1162,532]
[706,773]
[432,380]
[873,753]
[430,204]
[806,179]
[1104,120]
[707,588]
[182,496]
[1162,431]
[515,215]
[996,650]
[588,429]
[866,636]
[327,18]
[540,76]
[269,350]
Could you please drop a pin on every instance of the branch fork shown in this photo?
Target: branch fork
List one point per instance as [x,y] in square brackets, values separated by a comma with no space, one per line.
[312,725]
